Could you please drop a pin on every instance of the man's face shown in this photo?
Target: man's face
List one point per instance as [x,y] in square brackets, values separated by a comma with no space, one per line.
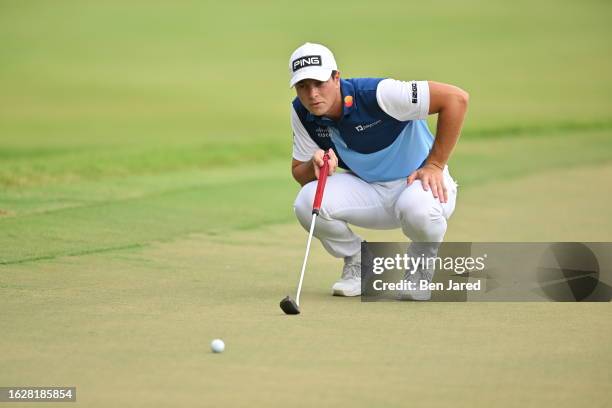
[320,98]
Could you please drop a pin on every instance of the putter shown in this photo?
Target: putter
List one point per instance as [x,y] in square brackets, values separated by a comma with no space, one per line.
[290,306]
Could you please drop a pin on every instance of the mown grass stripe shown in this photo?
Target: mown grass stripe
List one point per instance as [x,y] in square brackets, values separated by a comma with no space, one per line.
[554,128]
[73,253]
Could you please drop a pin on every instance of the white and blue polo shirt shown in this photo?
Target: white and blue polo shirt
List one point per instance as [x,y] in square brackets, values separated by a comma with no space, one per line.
[382,134]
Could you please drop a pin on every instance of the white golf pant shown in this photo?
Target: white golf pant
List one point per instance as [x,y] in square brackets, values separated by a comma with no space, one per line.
[385,205]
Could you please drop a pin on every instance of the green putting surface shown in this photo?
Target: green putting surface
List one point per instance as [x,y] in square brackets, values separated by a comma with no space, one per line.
[131,326]
[145,204]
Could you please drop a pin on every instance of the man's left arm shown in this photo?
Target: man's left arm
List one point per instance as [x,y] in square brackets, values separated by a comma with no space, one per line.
[450,103]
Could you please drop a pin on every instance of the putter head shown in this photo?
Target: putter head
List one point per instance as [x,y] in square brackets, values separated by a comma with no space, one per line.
[289,306]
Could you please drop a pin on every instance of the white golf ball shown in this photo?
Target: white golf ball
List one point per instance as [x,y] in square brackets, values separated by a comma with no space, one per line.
[217,346]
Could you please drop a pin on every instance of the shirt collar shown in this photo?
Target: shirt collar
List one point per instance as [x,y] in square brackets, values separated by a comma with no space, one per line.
[347,93]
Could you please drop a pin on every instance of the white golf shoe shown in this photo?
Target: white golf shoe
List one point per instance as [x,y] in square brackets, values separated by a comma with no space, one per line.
[349,283]
[417,293]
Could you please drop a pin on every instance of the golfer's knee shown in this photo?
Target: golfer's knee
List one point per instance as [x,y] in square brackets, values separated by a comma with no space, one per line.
[420,221]
[303,204]
[415,219]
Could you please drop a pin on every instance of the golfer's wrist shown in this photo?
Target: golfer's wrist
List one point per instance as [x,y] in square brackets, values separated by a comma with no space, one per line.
[435,164]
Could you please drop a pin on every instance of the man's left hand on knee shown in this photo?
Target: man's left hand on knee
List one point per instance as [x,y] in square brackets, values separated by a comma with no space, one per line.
[431,177]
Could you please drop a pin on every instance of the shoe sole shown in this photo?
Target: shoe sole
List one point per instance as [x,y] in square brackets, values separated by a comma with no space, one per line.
[345,293]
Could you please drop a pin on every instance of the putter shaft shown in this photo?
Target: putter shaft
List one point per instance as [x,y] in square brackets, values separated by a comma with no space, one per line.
[299,289]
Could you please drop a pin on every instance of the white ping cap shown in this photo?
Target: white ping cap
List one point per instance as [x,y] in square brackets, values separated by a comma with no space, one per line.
[312,61]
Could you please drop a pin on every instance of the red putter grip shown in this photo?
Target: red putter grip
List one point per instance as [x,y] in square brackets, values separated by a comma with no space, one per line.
[323,172]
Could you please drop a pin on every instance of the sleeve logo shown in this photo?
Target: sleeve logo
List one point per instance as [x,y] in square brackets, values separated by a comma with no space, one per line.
[414,93]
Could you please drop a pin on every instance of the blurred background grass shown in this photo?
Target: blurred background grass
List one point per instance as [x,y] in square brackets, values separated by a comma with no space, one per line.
[95,89]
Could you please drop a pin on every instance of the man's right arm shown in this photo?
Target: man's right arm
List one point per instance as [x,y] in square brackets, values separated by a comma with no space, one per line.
[305,172]
[304,149]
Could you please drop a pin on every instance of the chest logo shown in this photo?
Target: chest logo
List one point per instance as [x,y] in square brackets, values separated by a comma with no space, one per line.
[322,132]
[361,128]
